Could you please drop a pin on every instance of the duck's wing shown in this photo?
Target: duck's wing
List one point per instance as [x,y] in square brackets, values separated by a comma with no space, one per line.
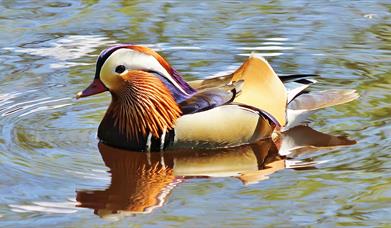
[224,126]
[211,120]
[210,98]
[262,89]
[251,116]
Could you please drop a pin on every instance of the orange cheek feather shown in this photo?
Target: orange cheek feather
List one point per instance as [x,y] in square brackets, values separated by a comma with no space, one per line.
[144,104]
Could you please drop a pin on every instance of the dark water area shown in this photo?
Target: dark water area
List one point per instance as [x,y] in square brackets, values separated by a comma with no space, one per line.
[55,173]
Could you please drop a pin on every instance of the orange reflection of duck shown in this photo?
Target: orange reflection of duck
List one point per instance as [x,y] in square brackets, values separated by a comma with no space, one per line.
[141,182]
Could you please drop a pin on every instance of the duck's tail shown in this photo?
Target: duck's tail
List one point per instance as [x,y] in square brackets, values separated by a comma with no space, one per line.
[303,104]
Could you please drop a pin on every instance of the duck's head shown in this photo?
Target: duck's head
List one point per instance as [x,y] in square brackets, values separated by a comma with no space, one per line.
[145,90]
[116,64]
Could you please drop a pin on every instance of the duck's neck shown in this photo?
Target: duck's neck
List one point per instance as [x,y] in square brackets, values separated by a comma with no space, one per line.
[139,112]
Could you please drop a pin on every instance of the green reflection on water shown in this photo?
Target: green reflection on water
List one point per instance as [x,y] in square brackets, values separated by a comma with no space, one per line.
[334,40]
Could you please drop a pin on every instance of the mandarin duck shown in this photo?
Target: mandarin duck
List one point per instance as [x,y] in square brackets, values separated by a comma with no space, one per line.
[153,108]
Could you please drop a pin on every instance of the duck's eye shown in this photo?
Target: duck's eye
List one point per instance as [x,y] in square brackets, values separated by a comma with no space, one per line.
[120,69]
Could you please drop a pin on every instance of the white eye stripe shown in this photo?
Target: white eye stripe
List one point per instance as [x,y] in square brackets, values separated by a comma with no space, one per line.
[134,60]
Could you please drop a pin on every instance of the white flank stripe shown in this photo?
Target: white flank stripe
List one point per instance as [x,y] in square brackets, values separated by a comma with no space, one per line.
[162,138]
[149,138]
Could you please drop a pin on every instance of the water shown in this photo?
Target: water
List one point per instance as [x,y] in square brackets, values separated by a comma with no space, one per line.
[49,155]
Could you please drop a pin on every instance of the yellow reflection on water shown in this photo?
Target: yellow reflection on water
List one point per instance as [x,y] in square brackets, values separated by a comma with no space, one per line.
[141,182]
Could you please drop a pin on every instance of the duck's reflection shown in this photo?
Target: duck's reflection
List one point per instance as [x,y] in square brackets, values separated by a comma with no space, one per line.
[141,182]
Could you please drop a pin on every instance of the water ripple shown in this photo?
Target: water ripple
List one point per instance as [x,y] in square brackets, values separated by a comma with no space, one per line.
[66,207]
[65,49]
[48,142]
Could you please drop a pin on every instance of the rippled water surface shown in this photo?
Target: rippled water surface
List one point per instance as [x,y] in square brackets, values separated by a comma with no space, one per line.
[54,173]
